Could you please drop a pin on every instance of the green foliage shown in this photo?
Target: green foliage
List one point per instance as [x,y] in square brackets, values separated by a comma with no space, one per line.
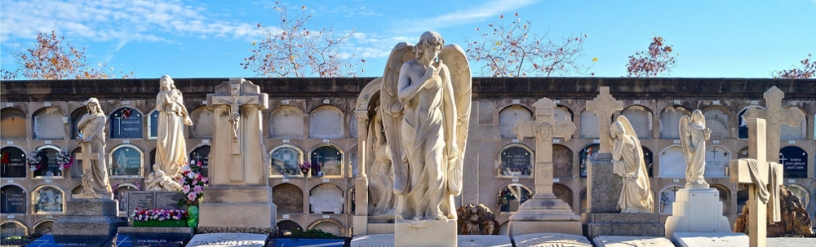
[313,233]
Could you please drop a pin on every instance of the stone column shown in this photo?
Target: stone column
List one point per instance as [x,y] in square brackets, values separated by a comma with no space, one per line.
[360,218]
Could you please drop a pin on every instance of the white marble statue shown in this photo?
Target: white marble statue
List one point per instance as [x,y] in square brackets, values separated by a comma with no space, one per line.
[171,149]
[627,159]
[693,135]
[158,180]
[425,103]
[92,136]
[381,185]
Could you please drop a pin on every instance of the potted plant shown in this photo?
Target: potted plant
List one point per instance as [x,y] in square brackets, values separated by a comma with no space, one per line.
[159,217]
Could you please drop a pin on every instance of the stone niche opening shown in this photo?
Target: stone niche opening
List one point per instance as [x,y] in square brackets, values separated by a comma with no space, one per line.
[13,163]
[43,227]
[327,160]
[516,160]
[589,125]
[48,200]
[125,161]
[286,227]
[794,160]
[562,161]
[588,152]
[326,122]
[125,122]
[48,124]
[667,197]
[326,199]
[76,168]
[203,124]
[796,132]
[717,120]
[670,121]
[641,119]
[287,122]
[564,193]
[12,124]
[120,195]
[508,118]
[717,159]
[13,200]
[672,162]
[329,226]
[743,124]
[48,162]
[285,161]
[12,228]
[76,115]
[512,196]
[201,154]
[725,195]
[288,198]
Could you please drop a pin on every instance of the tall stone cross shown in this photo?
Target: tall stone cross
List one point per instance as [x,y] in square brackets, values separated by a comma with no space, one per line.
[774,116]
[544,129]
[86,157]
[763,179]
[234,100]
[604,106]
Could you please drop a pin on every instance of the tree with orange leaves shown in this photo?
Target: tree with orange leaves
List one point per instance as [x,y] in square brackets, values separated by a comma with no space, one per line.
[807,70]
[658,59]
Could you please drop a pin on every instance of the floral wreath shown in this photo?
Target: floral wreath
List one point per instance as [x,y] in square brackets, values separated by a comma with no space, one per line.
[34,159]
[64,160]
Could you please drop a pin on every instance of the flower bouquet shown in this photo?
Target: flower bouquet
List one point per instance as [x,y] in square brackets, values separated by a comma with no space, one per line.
[159,217]
[305,167]
[192,183]
[34,160]
[64,160]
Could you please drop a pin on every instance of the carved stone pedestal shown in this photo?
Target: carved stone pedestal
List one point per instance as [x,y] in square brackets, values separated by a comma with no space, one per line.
[697,210]
[245,209]
[439,233]
[550,215]
[93,220]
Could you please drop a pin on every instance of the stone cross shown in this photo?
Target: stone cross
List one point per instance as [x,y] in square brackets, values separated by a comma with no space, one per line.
[86,157]
[543,129]
[604,106]
[774,116]
[234,101]
[765,174]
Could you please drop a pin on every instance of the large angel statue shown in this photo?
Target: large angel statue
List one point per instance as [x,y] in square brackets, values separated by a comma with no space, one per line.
[693,135]
[627,160]
[425,104]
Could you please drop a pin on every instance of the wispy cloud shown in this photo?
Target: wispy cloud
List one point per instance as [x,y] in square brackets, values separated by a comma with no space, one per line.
[473,14]
[106,20]
[372,46]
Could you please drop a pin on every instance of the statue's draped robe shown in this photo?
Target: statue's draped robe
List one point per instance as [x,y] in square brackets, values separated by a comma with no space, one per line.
[695,156]
[171,149]
[635,195]
[89,124]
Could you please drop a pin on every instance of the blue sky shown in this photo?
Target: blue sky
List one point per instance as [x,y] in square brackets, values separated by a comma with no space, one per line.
[210,38]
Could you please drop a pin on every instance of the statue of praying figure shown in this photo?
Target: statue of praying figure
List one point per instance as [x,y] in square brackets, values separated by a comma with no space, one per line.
[95,181]
[693,135]
[627,160]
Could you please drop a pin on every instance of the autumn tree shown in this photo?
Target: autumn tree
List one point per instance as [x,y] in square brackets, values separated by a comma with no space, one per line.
[293,50]
[658,59]
[509,49]
[50,59]
[807,70]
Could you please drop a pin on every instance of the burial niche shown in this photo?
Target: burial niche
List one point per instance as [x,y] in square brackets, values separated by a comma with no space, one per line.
[564,193]
[203,124]
[326,122]
[120,195]
[125,160]
[508,118]
[48,124]
[125,122]
[12,228]
[327,160]
[670,120]
[801,192]
[287,122]
[516,161]
[13,163]
[724,194]
[647,158]
[667,198]
[794,159]
[562,161]
[353,161]
[326,199]
[717,159]
[13,200]
[49,165]
[286,227]
[512,196]
[329,226]
[589,125]
[285,161]
[76,169]
[717,120]
[76,115]
[42,228]
[743,124]
[672,162]
[153,125]
[12,124]
[587,153]
[641,119]
[48,200]
[352,126]
[202,155]
[288,198]
[798,132]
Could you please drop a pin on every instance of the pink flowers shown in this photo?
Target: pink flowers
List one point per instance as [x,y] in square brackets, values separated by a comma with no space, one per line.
[193,183]
[158,214]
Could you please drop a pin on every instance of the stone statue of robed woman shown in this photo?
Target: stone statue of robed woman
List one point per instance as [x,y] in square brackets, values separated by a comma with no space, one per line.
[171,149]
[628,163]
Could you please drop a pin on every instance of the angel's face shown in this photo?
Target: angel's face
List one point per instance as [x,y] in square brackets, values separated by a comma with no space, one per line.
[430,52]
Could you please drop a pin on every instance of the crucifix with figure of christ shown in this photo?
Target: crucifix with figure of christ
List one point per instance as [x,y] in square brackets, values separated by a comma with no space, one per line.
[235,101]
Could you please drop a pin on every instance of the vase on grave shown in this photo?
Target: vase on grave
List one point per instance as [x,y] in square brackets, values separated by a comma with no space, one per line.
[192,216]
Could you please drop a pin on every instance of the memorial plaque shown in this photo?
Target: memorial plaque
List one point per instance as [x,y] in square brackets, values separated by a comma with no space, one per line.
[329,160]
[126,123]
[152,236]
[13,163]
[140,199]
[49,240]
[127,161]
[516,161]
[794,159]
[584,156]
[201,154]
[13,200]
[48,200]
[49,166]
[286,161]
[228,239]
[717,159]
[169,200]
[154,124]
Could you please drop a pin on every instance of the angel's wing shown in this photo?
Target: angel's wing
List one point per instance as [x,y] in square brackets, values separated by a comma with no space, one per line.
[457,63]
[391,112]
[684,141]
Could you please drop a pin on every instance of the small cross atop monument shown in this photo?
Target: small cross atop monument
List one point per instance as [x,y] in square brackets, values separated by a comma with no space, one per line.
[86,158]
[763,179]
[774,116]
[604,106]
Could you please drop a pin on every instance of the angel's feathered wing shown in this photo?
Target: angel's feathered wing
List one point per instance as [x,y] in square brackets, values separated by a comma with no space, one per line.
[684,140]
[391,113]
[455,59]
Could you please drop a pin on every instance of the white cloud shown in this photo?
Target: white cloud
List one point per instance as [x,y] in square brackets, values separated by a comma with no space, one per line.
[105,20]
[372,46]
[473,14]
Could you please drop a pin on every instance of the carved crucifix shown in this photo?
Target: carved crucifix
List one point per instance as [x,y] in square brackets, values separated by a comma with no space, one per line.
[763,179]
[543,129]
[604,106]
[234,101]
[774,116]
[86,157]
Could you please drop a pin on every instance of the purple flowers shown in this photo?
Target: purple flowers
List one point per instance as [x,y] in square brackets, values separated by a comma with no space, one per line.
[158,214]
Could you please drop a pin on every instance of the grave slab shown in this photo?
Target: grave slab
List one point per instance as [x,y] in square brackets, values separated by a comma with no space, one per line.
[306,242]
[719,239]
[484,241]
[153,236]
[50,240]
[438,233]
[619,224]
[375,240]
[228,239]
[153,200]
[629,241]
[551,240]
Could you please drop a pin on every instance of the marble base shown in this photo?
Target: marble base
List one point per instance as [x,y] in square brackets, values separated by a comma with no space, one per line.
[484,241]
[90,218]
[440,233]
[551,239]
[375,240]
[544,214]
[719,239]
[697,210]
[619,224]
[248,207]
[629,241]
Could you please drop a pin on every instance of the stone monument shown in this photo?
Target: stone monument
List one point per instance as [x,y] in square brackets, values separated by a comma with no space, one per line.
[426,112]
[171,148]
[605,189]
[763,179]
[696,206]
[238,164]
[544,212]
[91,216]
[774,116]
